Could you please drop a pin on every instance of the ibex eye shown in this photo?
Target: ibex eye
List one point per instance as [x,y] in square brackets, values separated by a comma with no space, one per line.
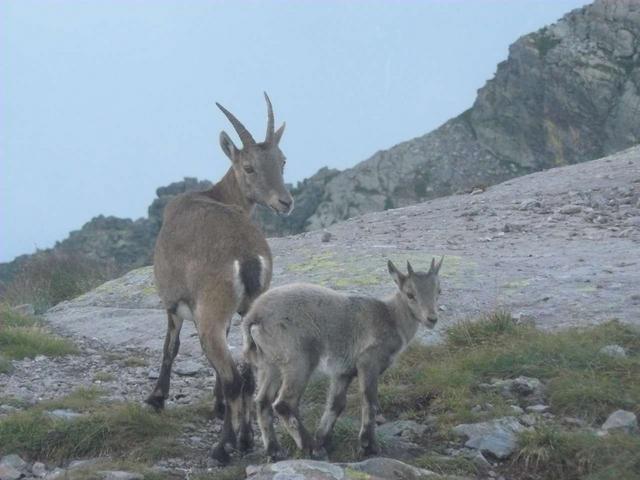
[411,296]
[249,169]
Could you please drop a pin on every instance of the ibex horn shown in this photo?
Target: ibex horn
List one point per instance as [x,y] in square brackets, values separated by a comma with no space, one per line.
[245,137]
[270,121]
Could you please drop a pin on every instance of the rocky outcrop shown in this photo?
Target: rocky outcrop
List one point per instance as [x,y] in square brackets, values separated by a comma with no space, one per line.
[567,93]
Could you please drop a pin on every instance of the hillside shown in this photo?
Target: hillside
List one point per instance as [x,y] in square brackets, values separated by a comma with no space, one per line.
[567,93]
[558,249]
[555,246]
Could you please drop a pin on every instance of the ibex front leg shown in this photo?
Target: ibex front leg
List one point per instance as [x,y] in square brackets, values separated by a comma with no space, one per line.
[368,382]
[171,347]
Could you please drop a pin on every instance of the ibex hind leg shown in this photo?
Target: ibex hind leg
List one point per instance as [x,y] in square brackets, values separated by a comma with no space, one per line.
[294,382]
[268,386]
[218,396]
[212,318]
[169,352]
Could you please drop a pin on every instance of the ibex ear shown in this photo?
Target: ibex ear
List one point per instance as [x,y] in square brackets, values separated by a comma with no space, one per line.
[278,135]
[439,265]
[409,268]
[396,274]
[227,145]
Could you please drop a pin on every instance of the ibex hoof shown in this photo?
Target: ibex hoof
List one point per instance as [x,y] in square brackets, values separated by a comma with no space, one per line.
[157,403]
[245,439]
[276,454]
[319,453]
[369,450]
[218,410]
[219,454]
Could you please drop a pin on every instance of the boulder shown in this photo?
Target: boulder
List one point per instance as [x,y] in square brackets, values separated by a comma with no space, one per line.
[187,368]
[407,430]
[7,472]
[38,469]
[614,351]
[14,461]
[63,414]
[621,420]
[497,438]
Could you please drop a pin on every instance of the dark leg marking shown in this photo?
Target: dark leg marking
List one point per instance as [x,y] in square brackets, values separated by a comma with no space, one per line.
[169,352]
[368,381]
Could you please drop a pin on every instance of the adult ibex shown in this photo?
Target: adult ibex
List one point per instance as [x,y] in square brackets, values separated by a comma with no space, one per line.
[212,261]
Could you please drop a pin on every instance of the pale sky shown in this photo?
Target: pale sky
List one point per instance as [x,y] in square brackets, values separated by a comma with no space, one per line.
[101,102]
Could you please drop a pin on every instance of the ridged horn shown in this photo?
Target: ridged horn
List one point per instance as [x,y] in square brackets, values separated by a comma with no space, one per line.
[245,137]
[270,121]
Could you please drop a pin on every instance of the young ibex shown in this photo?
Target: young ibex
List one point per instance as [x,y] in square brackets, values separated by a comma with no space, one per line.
[212,261]
[291,330]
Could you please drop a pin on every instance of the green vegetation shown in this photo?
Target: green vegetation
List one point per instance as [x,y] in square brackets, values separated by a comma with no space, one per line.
[447,465]
[581,381]
[344,273]
[104,377]
[552,453]
[135,362]
[442,380]
[121,429]
[544,42]
[126,431]
[48,278]
[422,180]
[24,337]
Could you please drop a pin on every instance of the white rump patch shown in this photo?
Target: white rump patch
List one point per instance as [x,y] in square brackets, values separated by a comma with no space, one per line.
[264,267]
[184,312]
[238,287]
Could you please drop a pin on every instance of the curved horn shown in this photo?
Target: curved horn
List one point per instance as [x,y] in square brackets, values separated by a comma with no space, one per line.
[243,133]
[270,121]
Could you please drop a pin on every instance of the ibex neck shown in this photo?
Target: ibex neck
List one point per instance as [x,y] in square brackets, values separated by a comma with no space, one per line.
[406,322]
[228,191]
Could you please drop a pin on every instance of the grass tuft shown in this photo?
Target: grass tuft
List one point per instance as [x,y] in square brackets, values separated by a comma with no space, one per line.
[444,465]
[581,382]
[125,429]
[552,453]
[24,337]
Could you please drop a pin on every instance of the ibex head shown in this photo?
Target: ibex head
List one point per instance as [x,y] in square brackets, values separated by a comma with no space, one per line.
[258,166]
[420,291]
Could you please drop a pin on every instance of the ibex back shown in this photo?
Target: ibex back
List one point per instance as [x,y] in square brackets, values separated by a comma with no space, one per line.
[211,261]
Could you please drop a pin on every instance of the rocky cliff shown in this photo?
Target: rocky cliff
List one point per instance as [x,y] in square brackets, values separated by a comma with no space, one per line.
[567,93]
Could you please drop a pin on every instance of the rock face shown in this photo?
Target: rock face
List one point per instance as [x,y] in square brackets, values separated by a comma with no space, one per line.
[567,93]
